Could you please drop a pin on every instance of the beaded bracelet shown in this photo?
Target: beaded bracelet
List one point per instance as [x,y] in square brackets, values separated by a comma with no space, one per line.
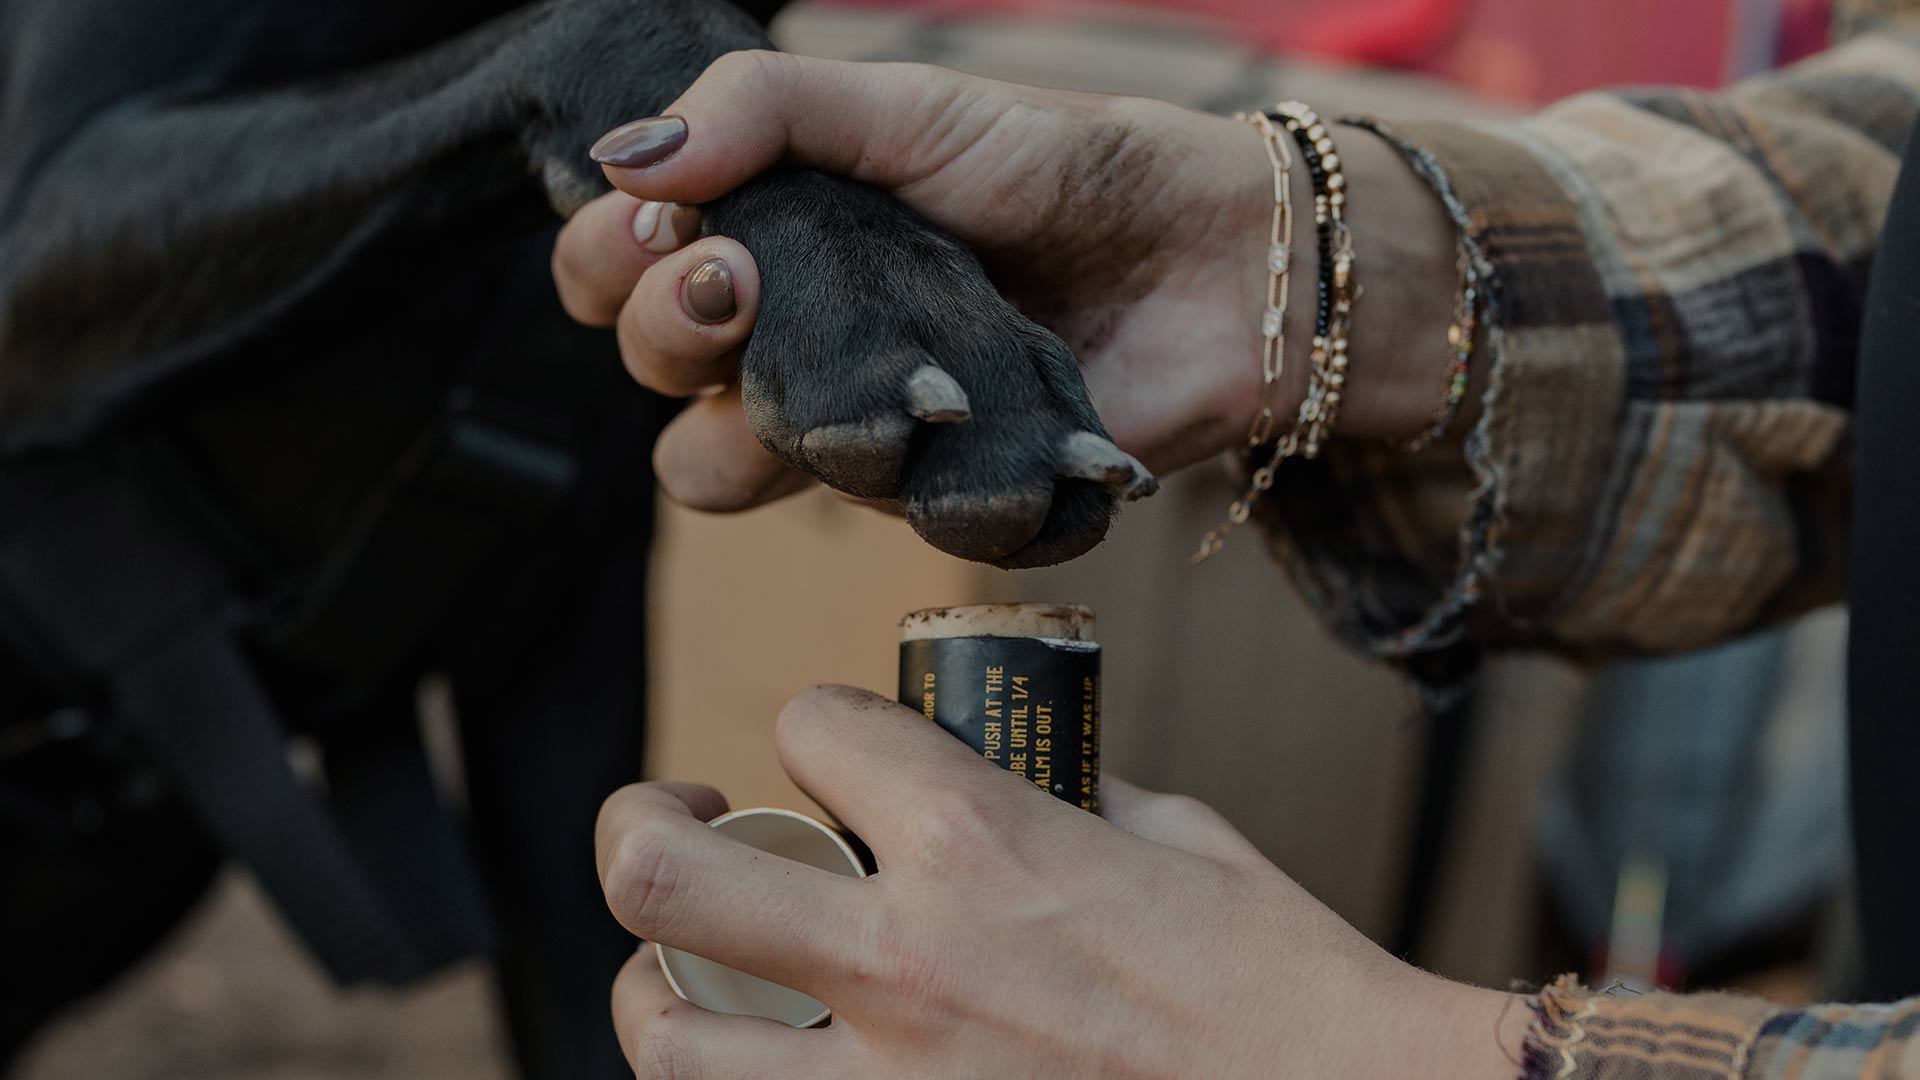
[1333,312]
[1460,335]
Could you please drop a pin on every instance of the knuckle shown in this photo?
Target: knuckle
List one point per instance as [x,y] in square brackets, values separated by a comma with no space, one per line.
[606,824]
[1186,816]
[1183,808]
[575,299]
[902,965]
[667,472]
[1201,818]
[562,266]
[759,71]
[636,353]
[572,264]
[958,830]
[642,876]
[915,73]
[576,309]
[663,1053]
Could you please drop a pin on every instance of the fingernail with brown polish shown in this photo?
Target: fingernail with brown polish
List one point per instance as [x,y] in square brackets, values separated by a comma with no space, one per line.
[664,227]
[707,293]
[641,143]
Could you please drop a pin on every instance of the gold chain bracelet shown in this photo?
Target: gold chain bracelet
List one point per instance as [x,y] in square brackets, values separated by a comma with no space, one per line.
[1273,320]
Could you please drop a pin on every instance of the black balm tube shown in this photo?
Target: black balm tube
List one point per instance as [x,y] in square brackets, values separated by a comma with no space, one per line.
[1020,683]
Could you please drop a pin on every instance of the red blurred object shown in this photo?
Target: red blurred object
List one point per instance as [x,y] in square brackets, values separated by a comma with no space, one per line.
[1524,50]
[1806,27]
[1539,50]
[1390,33]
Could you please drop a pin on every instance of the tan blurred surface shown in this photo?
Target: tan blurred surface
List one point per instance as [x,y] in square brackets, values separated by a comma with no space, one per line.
[749,609]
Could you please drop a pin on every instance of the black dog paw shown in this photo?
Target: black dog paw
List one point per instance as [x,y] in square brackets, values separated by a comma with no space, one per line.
[884,363]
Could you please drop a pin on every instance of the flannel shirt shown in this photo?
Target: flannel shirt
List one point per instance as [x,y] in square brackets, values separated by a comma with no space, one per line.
[1677,279]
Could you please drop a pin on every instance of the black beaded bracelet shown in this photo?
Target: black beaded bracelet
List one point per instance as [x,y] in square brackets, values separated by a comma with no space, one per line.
[1334,301]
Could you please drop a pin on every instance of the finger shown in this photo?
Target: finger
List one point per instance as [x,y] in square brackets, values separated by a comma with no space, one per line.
[1178,821]
[662,1035]
[668,878]
[884,769]
[708,459]
[683,324]
[752,109]
[603,249]
[703,802]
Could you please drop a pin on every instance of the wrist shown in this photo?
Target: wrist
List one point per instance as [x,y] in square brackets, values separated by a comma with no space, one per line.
[1207,387]
[1419,1024]
[1406,260]
[1323,1000]
[1478,1032]
[1208,205]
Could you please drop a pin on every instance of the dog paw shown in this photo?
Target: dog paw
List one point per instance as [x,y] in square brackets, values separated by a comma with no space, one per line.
[884,363]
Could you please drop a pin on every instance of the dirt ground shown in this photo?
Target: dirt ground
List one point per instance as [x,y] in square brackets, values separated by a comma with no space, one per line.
[232,997]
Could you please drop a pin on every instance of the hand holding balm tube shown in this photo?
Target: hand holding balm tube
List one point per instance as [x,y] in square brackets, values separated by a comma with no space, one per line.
[1020,683]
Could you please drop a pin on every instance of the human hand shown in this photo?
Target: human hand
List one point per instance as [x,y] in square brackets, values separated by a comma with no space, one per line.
[1006,934]
[1134,229]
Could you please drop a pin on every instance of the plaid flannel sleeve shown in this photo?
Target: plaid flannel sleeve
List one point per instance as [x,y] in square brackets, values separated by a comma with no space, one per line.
[1677,279]
[1676,284]
[1582,1034]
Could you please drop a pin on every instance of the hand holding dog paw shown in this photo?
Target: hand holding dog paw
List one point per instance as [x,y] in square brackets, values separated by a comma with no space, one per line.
[1132,232]
[1141,286]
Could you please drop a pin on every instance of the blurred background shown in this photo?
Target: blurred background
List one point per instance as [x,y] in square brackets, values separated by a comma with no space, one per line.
[1678,822]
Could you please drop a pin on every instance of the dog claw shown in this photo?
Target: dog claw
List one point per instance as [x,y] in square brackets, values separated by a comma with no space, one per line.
[933,396]
[1086,456]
